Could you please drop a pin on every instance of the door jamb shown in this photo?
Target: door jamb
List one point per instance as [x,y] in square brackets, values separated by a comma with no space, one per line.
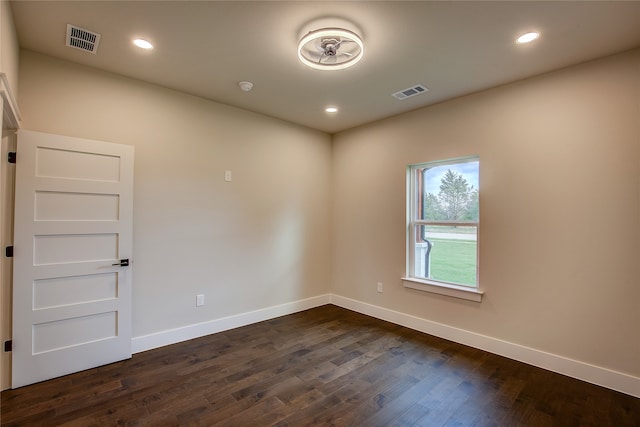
[10,118]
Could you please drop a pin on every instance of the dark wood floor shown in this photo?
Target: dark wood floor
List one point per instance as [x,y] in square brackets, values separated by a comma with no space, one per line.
[326,366]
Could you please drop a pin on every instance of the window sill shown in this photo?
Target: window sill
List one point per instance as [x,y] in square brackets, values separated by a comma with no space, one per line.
[450,290]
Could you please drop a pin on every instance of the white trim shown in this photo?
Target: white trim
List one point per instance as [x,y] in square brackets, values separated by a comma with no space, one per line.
[172,336]
[451,290]
[583,371]
[444,223]
[604,377]
[11,113]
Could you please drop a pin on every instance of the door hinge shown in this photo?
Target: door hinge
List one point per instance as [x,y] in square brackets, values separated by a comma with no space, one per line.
[11,157]
[8,345]
[8,251]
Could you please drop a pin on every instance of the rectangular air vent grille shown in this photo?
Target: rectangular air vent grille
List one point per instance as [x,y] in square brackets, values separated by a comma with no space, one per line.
[411,91]
[82,39]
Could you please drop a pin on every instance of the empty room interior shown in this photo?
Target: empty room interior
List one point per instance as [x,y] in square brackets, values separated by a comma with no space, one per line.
[320,213]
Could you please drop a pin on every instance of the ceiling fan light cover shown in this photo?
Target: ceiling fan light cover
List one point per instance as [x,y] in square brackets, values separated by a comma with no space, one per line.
[322,49]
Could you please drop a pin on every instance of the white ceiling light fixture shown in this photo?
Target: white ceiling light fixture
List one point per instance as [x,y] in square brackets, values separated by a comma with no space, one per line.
[330,49]
[527,38]
[142,44]
[331,109]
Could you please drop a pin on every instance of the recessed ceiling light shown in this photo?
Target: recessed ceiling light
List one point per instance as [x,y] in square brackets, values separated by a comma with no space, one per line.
[331,110]
[143,44]
[527,38]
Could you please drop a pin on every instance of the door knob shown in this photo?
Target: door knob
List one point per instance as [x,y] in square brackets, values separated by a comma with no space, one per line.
[122,263]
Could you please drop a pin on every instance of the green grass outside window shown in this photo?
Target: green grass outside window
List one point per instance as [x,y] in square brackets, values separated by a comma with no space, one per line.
[454,261]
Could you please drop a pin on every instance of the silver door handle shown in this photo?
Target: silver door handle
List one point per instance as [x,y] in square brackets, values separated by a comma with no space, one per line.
[122,263]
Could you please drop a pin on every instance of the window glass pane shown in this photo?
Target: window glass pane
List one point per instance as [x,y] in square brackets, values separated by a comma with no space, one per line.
[447,254]
[449,192]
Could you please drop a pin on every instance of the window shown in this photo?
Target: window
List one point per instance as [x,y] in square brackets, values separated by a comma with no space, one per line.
[442,227]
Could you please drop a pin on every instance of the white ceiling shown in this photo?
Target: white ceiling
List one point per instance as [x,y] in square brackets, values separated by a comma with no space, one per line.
[205,48]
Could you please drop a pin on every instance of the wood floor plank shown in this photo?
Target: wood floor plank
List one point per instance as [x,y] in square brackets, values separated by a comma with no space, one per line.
[325,366]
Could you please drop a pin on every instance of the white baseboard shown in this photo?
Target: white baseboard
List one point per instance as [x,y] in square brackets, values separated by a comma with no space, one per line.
[172,336]
[614,380]
[573,368]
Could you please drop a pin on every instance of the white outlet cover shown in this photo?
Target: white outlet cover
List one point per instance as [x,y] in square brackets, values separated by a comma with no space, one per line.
[199,300]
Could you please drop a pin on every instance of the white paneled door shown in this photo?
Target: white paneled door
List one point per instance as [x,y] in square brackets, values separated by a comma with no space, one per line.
[72,279]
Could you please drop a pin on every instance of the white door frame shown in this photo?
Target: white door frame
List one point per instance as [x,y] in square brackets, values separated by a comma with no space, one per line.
[10,117]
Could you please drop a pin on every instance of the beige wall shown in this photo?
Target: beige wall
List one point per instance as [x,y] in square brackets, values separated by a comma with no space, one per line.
[9,49]
[559,208]
[258,241]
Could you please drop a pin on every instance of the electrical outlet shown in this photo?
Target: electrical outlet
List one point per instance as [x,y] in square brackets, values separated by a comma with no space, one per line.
[199,300]
[380,287]
[227,176]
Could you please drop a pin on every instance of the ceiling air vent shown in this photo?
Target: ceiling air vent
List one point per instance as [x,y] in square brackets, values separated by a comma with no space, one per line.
[82,39]
[409,92]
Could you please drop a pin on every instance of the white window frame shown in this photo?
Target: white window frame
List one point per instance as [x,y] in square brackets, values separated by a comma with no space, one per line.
[431,285]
